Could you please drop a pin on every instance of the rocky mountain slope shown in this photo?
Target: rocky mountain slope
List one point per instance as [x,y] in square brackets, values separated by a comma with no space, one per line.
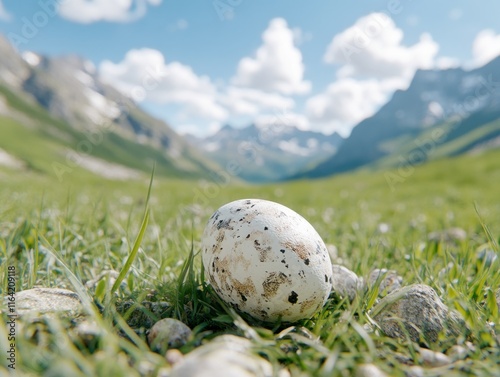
[268,152]
[442,113]
[63,100]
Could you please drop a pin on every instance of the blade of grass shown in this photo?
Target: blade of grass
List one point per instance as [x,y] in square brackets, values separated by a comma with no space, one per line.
[133,253]
[138,240]
[491,239]
[74,280]
[136,339]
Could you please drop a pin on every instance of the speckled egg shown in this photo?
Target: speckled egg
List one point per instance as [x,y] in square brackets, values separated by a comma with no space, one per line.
[266,260]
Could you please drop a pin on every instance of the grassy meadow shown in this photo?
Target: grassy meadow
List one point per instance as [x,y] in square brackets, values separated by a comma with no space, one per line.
[63,234]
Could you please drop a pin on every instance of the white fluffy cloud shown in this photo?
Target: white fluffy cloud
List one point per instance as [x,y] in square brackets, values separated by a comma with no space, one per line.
[373,63]
[144,75]
[486,46]
[373,47]
[277,65]
[4,15]
[88,11]
[446,62]
[262,85]
[346,102]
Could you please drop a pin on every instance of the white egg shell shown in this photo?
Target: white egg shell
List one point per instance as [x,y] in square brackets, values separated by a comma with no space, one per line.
[266,260]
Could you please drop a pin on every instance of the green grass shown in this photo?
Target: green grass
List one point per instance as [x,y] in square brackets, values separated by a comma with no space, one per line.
[426,145]
[64,234]
[41,140]
[461,143]
[31,146]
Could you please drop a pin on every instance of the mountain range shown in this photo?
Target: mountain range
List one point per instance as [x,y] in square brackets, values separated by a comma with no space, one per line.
[56,115]
[60,105]
[442,113]
[269,152]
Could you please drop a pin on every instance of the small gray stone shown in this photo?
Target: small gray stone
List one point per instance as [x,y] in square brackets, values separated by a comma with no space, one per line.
[284,373]
[421,313]
[145,368]
[168,333]
[449,236]
[457,352]
[231,341]
[163,372]
[88,332]
[369,370]
[415,371]
[368,328]
[174,356]
[434,359]
[389,280]
[345,283]
[225,356]
[48,301]
[470,346]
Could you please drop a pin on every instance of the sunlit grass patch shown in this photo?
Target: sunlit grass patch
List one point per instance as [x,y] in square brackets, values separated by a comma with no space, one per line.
[66,235]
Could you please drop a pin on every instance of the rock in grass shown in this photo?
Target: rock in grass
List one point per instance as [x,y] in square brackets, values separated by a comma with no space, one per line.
[389,280]
[434,359]
[88,332]
[168,333]
[174,356]
[225,356]
[369,370]
[449,236]
[415,371]
[418,312]
[457,352]
[51,301]
[345,283]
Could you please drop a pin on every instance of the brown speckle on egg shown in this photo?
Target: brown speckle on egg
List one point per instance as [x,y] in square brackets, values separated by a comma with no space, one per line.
[273,283]
[298,248]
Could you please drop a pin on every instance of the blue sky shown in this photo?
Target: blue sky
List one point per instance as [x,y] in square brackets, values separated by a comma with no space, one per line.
[200,64]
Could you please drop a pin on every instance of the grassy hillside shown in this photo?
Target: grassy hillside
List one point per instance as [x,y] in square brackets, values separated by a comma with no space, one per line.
[90,225]
[436,143]
[381,139]
[40,140]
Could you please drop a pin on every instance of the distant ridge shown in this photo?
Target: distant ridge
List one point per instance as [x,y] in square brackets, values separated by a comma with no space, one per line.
[268,153]
[463,105]
[64,98]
